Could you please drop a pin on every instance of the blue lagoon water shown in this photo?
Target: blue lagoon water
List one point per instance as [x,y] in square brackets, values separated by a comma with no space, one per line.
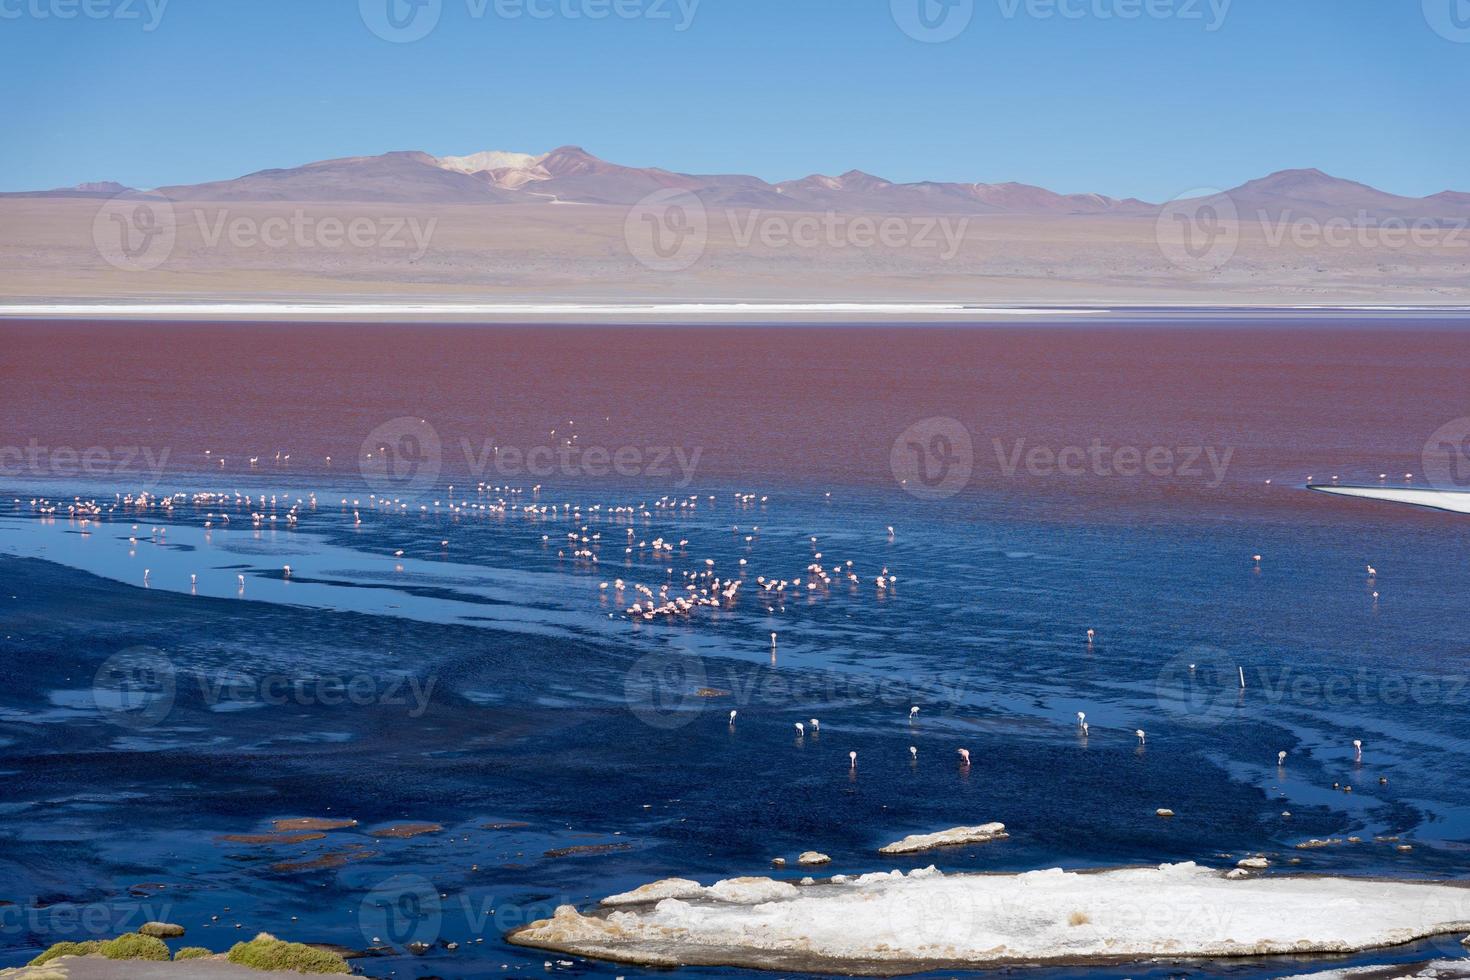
[453,658]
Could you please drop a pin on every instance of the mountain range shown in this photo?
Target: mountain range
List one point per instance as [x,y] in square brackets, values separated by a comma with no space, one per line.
[570,175]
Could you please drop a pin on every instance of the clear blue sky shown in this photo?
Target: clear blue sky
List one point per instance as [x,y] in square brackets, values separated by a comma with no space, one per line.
[1147,107]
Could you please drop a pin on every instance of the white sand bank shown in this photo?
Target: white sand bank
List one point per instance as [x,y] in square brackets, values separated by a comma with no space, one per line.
[892,923]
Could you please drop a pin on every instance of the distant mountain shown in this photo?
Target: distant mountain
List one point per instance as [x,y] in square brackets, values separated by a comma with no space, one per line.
[101,188]
[1289,194]
[571,175]
[409,177]
[1451,198]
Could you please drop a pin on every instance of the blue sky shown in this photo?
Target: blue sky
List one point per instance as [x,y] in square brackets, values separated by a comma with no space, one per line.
[1071,94]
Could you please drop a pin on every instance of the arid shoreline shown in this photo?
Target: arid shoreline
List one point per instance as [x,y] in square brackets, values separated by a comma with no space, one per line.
[58,250]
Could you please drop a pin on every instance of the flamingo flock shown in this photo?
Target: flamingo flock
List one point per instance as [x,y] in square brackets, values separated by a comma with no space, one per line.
[701,585]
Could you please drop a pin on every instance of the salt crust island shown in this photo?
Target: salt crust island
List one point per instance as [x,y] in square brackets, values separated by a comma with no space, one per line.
[893,923]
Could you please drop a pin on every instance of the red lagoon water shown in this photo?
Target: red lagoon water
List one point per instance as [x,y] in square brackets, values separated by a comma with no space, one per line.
[763,406]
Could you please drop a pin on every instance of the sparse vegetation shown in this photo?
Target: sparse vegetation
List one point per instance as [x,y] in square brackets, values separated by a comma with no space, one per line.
[134,946]
[66,949]
[193,953]
[1078,919]
[266,952]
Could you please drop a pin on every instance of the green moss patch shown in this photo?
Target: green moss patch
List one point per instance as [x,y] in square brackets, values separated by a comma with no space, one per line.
[266,952]
[193,953]
[134,946]
[66,949]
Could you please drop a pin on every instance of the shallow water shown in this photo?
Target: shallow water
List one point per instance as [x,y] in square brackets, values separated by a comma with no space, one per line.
[492,682]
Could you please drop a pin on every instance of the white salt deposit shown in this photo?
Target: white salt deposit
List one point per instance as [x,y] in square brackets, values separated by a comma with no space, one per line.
[946,838]
[1436,970]
[666,888]
[893,922]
